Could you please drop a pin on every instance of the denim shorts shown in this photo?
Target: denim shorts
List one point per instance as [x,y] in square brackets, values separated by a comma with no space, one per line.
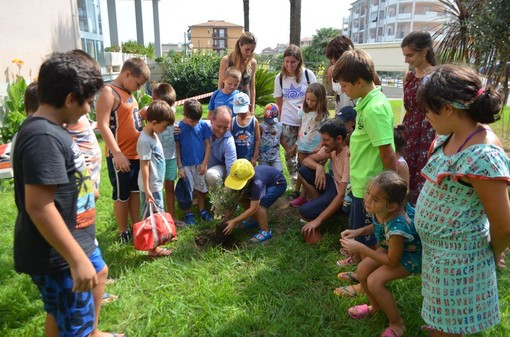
[359,218]
[272,194]
[123,183]
[73,311]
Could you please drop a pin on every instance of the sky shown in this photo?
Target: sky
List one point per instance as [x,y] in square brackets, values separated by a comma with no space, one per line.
[269,19]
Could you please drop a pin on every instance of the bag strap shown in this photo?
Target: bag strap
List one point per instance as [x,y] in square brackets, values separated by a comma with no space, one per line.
[307,78]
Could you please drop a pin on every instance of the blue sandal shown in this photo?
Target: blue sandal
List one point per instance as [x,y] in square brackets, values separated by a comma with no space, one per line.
[261,236]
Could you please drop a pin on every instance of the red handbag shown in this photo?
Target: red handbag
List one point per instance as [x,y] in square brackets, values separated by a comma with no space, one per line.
[154,230]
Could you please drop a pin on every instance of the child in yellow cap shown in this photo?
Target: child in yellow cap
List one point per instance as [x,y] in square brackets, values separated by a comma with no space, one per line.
[263,185]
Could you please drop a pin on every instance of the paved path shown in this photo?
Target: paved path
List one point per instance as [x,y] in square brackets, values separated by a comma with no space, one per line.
[393,92]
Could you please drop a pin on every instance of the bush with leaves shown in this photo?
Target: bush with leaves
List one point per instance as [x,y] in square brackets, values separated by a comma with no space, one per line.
[264,86]
[15,109]
[191,76]
[132,47]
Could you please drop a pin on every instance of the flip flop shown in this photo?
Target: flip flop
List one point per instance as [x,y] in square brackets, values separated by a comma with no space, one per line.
[359,311]
[345,252]
[109,298]
[390,332]
[347,262]
[347,276]
[349,291]
[163,252]
[109,281]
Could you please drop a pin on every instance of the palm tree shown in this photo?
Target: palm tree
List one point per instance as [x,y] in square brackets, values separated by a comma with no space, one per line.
[478,35]
[295,22]
[455,42]
[246,10]
[321,39]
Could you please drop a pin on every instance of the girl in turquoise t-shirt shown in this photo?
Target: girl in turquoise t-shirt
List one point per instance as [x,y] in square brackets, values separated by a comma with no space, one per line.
[399,249]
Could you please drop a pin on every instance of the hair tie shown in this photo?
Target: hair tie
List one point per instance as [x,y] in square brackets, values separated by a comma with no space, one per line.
[480,91]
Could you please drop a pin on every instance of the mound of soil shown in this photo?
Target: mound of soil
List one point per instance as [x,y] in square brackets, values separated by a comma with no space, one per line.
[216,237]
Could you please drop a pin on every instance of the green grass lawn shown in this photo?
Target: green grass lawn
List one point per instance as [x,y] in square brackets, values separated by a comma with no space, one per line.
[281,288]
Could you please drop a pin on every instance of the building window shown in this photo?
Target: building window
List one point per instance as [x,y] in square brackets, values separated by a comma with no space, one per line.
[82,15]
[220,32]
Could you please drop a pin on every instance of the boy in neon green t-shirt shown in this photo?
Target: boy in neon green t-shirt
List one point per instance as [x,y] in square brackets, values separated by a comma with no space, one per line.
[371,144]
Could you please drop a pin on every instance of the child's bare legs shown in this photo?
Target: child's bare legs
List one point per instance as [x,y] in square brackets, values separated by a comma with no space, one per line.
[134,207]
[98,292]
[124,209]
[170,197]
[200,200]
[261,217]
[373,277]
[121,211]
[50,326]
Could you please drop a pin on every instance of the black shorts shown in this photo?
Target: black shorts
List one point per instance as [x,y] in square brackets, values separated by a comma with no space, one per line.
[123,183]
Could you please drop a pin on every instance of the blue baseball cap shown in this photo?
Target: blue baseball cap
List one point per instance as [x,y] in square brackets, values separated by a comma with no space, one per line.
[183,194]
[346,114]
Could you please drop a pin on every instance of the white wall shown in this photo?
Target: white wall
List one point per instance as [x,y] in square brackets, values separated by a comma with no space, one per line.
[386,56]
[30,31]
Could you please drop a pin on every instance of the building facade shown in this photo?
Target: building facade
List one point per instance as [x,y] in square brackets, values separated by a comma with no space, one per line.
[215,35]
[377,21]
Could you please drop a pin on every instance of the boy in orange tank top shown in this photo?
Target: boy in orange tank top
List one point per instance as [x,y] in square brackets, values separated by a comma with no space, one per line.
[120,124]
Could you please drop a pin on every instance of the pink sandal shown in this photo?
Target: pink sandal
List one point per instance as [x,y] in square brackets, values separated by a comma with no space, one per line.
[347,262]
[390,332]
[359,311]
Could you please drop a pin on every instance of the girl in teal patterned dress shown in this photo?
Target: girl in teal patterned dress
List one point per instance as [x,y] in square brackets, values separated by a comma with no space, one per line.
[463,211]
[399,252]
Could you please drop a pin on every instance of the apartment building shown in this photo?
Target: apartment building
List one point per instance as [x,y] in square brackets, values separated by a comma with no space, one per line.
[377,21]
[216,35]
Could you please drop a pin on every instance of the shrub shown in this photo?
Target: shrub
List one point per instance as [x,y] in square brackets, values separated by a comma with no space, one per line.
[191,76]
[112,49]
[15,109]
[132,47]
[264,86]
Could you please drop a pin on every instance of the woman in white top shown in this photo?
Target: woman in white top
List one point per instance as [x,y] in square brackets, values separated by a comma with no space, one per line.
[289,90]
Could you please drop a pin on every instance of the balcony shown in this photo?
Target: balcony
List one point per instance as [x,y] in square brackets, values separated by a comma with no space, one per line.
[404,16]
[389,38]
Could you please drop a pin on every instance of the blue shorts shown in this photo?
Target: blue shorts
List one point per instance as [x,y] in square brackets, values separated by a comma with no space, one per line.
[272,194]
[313,208]
[171,169]
[123,183]
[359,218]
[73,311]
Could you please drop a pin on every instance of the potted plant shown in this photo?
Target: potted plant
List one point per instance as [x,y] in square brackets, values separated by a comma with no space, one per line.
[113,59]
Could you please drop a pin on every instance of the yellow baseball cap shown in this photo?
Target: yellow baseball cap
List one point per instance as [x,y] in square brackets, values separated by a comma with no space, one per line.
[240,172]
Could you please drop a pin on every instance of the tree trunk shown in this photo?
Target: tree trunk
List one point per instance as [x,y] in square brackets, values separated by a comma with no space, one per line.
[246,10]
[295,22]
